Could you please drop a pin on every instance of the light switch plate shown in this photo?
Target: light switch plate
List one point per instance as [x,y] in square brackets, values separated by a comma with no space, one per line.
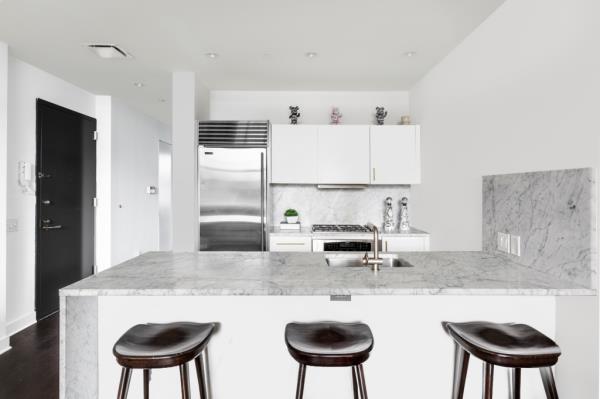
[12,225]
[515,245]
[503,242]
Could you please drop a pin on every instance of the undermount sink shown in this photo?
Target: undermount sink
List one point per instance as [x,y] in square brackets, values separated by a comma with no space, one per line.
[355,260]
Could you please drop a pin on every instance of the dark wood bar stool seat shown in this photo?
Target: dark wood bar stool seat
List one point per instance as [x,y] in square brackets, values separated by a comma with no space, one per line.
[154,346]
[330,344]
[514,346]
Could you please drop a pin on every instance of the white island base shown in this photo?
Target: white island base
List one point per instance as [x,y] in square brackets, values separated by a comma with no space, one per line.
[247,357]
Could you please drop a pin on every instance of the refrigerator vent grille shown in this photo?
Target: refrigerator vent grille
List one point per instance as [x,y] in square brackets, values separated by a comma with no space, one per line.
[234,134]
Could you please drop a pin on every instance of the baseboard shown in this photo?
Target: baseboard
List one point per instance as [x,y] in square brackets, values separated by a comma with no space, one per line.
[4,344]
[21,323]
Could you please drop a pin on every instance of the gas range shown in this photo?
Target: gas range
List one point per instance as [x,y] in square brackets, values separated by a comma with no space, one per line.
[342,237]
[340,228]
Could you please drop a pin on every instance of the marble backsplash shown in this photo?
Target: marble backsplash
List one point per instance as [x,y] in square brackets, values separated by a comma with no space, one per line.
[554,212]
[335,206]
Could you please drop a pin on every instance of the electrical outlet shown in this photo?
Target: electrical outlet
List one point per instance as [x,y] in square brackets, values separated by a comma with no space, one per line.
[515,245]
[504,242]
[12,225]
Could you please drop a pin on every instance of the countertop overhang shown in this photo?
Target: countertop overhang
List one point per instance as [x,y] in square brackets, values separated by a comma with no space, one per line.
[301,273]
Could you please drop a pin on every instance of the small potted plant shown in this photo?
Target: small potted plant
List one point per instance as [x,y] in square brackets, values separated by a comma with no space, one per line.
[291,216]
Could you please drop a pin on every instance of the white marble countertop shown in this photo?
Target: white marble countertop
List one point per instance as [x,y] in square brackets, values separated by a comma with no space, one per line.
[295,273]
[307,231]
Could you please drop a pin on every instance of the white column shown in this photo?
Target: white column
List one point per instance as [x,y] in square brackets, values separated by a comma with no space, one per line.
[4,343]
[104,183]
[185,148]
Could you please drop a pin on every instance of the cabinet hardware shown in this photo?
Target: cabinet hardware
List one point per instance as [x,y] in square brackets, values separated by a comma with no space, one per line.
[374,174]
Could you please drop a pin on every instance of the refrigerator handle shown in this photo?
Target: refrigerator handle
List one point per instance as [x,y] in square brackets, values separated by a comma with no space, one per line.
[262,201]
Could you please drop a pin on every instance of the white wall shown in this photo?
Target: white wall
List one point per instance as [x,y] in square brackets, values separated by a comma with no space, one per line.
[127,162]
[519,94]
[134,161]
[358,107]
[26,83]
[4,344]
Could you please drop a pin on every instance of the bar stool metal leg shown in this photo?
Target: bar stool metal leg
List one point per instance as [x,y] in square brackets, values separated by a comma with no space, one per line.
[200,372]
[147,383]
[124,383]
[354,382]
[185,381]
[461,365]
[361,382]
[488,380]
[300,386]
[514,383]
[549,385]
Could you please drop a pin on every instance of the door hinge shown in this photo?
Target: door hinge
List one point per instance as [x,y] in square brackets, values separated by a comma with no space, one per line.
[95,135]
[95,201]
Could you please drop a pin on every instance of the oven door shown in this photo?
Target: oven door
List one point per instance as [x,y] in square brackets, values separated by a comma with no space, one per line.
[328,245]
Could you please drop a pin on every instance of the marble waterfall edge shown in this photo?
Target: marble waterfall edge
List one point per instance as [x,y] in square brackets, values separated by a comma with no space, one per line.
[553,212]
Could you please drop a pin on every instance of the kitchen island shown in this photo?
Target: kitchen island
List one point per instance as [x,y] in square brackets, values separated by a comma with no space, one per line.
[253,295]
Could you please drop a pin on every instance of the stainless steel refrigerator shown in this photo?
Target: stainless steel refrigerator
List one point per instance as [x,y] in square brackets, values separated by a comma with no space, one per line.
[232,173]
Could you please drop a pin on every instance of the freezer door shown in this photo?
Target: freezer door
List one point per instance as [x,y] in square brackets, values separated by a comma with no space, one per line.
[232,197]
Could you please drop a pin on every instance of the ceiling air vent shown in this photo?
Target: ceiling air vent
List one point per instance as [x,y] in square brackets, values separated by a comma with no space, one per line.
[109,51]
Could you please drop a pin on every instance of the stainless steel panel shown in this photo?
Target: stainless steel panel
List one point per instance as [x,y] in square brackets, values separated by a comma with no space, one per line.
[232,199]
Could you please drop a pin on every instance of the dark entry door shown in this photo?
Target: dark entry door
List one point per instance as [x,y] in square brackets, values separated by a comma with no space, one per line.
[66,187]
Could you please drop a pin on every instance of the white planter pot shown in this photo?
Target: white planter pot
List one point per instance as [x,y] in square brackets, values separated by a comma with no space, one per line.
[291,219]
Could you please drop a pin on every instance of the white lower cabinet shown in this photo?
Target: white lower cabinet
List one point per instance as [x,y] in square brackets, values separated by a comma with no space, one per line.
[286,243]
[405,244]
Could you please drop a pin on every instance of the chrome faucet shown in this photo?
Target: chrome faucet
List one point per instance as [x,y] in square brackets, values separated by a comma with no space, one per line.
[375,261]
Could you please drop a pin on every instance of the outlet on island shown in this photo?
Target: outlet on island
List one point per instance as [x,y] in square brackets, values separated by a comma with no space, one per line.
[515,245]
[504,242]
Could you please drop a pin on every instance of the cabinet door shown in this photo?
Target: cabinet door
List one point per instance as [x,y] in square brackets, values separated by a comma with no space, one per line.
[343,154]
[395,154]
[405,244]
[294,154]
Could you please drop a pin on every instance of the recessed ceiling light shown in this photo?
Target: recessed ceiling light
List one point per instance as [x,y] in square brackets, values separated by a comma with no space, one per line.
[108,51]
[138,84]
[311,54]
[410,53]
[212,56]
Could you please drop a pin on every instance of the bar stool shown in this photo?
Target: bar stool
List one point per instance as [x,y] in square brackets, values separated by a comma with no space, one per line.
[330,344]
[155,346]
[515,346]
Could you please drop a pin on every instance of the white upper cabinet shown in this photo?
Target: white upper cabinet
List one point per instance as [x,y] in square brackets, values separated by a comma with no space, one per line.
[343,154]
[395,154]
[294,154]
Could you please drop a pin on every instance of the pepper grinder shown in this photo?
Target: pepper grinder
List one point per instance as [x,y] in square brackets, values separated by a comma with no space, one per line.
[404,223]
[388,220]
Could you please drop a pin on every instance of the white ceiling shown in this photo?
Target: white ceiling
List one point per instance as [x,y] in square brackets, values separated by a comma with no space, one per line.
[261,43]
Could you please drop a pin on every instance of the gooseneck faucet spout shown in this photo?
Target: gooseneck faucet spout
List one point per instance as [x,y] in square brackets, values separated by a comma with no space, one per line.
[375,261]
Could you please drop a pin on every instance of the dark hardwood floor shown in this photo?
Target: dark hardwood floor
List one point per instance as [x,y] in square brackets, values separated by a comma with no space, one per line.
[30,369]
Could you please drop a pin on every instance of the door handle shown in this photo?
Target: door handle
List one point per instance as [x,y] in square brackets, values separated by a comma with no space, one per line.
[55,227]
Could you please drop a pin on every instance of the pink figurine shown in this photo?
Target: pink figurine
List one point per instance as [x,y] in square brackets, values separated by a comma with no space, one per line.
[336,116]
